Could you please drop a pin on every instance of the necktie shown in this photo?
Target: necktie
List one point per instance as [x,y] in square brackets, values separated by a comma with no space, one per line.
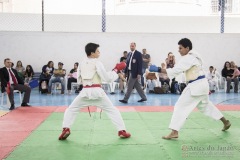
[130,61]
[13,77]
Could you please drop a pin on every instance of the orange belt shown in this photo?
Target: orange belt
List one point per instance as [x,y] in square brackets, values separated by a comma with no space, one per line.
[92,86]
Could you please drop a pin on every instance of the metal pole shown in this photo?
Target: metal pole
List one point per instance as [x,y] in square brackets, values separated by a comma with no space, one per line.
[103,16]
[43,15]
[222,15]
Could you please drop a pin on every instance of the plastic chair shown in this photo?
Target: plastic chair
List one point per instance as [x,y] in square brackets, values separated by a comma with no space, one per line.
[158,84]
[74,86]
[56,86]
[7,99]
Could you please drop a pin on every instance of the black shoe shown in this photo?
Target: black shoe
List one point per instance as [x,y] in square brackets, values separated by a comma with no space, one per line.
[123,101]
[25,105]
[142,100]
[112,93]
[122,92]
[12,107]
[212,91]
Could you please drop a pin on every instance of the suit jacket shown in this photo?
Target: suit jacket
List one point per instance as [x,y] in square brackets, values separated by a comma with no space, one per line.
[136,64]
[4,76]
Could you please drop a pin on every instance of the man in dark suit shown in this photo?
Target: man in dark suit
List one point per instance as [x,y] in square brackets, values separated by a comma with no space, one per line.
[10,81]
[133,71]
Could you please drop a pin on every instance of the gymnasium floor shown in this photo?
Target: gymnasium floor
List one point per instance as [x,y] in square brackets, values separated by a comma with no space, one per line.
[32,133]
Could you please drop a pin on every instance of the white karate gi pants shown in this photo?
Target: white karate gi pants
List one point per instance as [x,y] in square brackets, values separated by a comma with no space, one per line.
[185,105]
[103,102]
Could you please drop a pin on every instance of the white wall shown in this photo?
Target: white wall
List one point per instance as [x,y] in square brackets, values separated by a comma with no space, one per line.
[37,48]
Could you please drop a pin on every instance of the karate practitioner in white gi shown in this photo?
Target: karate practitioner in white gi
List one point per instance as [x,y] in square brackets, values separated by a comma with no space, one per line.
[196,92]
[212,79]
[91,73]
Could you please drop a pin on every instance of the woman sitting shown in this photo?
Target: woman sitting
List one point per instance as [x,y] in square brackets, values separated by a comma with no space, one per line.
[47,72]
[227,73]
[72,77]
[28,74]
[20,69]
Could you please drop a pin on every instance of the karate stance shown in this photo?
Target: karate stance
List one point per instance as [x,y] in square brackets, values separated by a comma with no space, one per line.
[196,92]
[91,73]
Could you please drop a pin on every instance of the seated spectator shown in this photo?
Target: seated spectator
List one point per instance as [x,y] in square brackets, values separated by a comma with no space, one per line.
[58,76]
[236,72]
[121,75]
[28,73]
[235,68]
[20,69]
[163,78]
[145,63]
[122,81]
[212,79]
[72,77]
[151,80]
[232,65]
[227,73]
[11,81]
[170,60]
[124,58]
[47,72]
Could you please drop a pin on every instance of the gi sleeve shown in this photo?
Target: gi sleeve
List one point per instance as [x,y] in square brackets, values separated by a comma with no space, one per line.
[104,75]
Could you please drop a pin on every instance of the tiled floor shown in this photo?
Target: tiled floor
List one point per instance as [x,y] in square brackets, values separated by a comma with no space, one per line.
[153,99]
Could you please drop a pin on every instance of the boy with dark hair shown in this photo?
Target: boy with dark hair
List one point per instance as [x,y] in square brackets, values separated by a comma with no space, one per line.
[91,73]
[196,92]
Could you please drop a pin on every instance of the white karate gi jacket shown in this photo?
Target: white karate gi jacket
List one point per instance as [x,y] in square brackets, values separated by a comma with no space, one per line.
[192,59]
[91,71]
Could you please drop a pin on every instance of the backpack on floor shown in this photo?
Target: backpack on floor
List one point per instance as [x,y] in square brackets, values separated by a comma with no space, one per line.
[181,87]
[174,87]
[161,90]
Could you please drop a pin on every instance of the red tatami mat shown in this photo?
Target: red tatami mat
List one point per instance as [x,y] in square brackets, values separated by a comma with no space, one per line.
[4,151]
[18,124]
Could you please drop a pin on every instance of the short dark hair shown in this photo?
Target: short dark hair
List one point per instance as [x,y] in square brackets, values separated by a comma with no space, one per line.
[125,52]
[185,43]
[6,59]
[211,67]
[77,63]
[91,47]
